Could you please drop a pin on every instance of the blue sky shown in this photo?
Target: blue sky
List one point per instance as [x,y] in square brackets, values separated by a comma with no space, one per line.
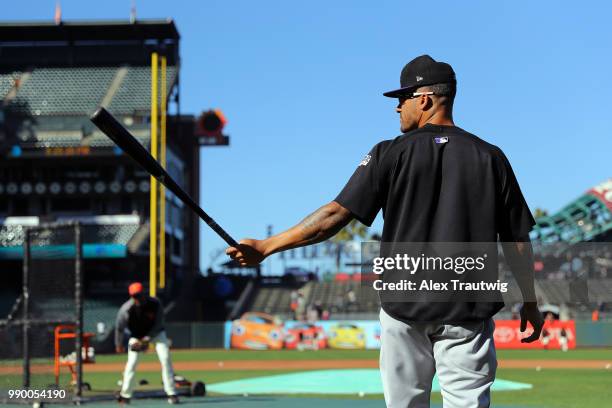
[301,84]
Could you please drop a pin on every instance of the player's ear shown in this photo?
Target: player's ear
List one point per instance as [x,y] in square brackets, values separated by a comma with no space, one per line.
[425,102]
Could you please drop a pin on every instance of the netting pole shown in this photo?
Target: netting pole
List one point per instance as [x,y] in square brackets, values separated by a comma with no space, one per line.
[78,294]
[153,220]
[162,188]
[26,313]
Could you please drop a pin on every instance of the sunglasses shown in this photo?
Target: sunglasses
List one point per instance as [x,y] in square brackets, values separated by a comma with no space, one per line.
[404,98]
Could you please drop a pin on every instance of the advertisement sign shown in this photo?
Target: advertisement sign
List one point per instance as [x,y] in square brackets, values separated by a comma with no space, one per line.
[257,331]
[508,335]
[347,334]
[254,331]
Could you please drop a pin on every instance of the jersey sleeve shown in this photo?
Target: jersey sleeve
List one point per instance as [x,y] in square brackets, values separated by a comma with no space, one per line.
[514,217]
[363,195]
[121,323]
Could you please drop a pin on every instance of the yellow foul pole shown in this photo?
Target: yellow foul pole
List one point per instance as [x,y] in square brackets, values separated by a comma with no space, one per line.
[162,188]
[153,210]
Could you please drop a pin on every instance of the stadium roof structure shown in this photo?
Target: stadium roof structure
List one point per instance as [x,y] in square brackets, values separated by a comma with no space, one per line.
[587,218]
[88,30]
[86,43]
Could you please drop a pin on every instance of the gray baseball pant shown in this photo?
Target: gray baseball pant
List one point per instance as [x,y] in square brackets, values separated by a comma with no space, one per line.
[462,355]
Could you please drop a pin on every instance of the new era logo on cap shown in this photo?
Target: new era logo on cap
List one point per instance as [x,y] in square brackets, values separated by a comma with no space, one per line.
[441,140]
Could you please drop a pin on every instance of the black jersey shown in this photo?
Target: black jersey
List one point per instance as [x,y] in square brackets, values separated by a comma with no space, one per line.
[439,184]
[143,319]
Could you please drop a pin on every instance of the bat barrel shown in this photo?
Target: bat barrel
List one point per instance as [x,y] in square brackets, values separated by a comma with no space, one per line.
[124,139]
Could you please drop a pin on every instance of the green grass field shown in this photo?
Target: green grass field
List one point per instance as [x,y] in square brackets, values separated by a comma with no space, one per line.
[227,355]
[552,388]
[327,354]
[570,388]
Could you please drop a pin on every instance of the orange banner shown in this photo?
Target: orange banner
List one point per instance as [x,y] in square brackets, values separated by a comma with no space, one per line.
[554,334]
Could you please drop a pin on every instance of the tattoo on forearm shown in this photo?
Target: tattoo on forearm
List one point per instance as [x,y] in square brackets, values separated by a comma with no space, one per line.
[311,224]
[321,225]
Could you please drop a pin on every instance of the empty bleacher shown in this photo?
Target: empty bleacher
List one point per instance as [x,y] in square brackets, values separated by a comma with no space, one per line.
[560,291]
[7,82]
[264,296]
[331,295]
[60,100]
[134,92]
[55,91]
[80,90]
[600,290]
[554,291]
[277,299]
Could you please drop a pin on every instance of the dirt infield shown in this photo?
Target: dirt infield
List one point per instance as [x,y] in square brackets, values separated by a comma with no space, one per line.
[246,365]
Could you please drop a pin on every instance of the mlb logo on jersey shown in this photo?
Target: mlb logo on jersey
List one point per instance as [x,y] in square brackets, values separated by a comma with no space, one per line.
[441,140]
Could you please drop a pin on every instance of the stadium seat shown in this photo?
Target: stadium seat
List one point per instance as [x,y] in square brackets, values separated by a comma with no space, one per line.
[56,91]
[134,94]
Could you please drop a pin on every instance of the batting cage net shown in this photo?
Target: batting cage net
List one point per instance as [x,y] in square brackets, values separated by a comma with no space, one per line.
[41,334]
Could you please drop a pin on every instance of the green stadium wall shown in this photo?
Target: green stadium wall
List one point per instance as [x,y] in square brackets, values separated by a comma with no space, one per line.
[593,334]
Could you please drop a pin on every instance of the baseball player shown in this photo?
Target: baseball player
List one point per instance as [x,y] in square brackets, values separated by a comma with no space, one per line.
[143,316]
[435,183]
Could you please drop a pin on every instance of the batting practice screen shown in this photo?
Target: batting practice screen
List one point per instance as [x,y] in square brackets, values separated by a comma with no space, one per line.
[50,304]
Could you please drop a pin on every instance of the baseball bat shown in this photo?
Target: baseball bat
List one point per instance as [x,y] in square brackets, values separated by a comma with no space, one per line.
[124,139]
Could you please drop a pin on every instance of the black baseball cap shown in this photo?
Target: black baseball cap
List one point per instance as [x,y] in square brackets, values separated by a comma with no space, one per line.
[422,71]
